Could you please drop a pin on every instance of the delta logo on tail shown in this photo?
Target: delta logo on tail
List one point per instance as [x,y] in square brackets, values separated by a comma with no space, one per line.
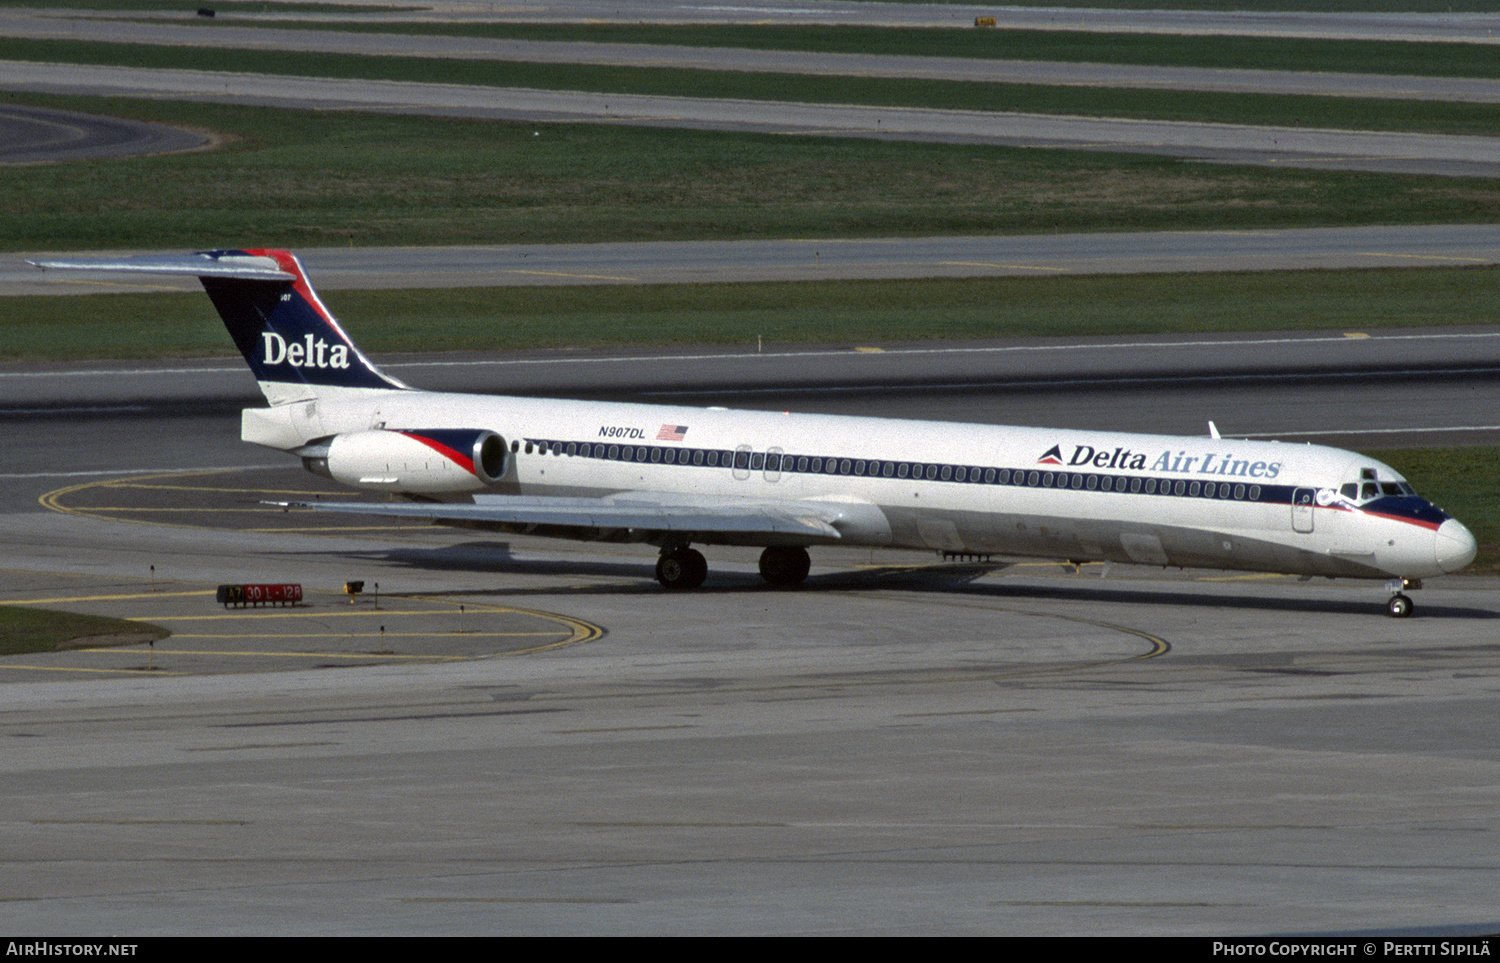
[308,353]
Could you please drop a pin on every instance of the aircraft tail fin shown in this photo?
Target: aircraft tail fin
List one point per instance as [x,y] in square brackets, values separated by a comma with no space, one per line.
[293,344]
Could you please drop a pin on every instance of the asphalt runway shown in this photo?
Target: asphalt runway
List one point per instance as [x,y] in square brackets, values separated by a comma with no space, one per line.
[1430,154]
[36,135]
[821,259]
[891,750]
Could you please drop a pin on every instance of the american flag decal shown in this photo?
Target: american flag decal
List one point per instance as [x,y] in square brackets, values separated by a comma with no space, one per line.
[671,432]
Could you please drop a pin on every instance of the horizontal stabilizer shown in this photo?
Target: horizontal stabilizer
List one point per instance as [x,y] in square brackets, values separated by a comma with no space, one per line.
[208,264]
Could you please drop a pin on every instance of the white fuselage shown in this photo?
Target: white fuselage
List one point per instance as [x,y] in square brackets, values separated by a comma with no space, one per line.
[959,488]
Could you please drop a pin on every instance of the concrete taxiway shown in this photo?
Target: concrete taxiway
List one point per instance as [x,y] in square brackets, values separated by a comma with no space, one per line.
[1447,155]
[529,737]
[889,750]
[822,259]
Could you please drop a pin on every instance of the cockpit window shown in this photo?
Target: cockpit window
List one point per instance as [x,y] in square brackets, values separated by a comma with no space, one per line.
[1368,489]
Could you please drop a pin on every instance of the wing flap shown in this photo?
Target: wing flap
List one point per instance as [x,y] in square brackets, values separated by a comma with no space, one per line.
[749,520]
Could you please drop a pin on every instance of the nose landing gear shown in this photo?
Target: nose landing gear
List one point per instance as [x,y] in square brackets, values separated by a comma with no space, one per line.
[1400,606]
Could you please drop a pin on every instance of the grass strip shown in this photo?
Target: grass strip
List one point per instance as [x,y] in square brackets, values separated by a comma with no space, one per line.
[312,6]
[832,312]
[1067,46]
[1264,6]
[1266,109]
[289,178]
[43,630]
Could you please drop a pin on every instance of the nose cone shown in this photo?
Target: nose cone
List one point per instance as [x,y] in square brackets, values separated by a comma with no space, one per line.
[1454,546]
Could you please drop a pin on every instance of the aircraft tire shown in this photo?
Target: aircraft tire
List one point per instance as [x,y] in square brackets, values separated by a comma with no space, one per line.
[784,565]
[1399,607]
[681,569]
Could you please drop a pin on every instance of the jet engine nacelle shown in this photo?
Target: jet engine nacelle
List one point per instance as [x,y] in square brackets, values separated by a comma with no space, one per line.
[411,460]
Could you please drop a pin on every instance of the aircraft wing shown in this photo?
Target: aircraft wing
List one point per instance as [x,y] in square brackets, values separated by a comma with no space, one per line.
[750,522]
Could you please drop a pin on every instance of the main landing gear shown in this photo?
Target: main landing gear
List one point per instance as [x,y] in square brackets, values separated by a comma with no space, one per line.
[681,568]
[1399,606]
[784,565]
